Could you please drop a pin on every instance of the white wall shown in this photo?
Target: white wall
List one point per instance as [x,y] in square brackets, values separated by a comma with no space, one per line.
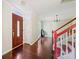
[27,28]
[35,28]
[31,28]
[6,28]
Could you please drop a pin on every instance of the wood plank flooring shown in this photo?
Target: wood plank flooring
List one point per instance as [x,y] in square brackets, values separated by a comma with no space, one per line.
[36,51]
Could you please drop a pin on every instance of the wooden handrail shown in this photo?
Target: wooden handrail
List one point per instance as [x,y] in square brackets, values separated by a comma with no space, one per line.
[72,26]
[66,24]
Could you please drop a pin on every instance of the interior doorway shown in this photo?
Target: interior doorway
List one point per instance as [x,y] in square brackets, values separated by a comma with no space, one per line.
[17,30]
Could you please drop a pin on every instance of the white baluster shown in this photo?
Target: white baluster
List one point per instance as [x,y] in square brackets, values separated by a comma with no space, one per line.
[61,44]
[72,41]
[66,43]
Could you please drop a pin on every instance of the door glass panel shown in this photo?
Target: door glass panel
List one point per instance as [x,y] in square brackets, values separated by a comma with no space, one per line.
[18,28]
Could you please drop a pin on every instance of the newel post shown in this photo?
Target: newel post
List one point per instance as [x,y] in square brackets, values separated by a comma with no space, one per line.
[54,37]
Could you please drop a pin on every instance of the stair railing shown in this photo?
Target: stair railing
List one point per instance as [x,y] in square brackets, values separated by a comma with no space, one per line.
[64,40]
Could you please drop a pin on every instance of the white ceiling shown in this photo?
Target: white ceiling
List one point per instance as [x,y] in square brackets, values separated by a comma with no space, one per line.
[41,5]
[47,7]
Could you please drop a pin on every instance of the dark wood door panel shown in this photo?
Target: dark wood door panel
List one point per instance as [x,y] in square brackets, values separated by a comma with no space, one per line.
[17,40]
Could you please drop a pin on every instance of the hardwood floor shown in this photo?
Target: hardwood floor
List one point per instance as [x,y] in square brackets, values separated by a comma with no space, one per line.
[36,51]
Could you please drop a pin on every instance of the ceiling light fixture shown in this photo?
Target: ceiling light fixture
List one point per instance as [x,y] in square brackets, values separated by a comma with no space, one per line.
[57,19]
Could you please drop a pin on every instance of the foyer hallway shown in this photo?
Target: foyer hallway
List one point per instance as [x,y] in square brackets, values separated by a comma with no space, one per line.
[36,51]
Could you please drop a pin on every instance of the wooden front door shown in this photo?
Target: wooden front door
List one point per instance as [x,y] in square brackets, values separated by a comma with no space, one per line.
[17,30]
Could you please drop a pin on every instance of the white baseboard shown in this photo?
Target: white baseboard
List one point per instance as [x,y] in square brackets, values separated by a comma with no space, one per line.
[35,40]
[11,49]
[6,51]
